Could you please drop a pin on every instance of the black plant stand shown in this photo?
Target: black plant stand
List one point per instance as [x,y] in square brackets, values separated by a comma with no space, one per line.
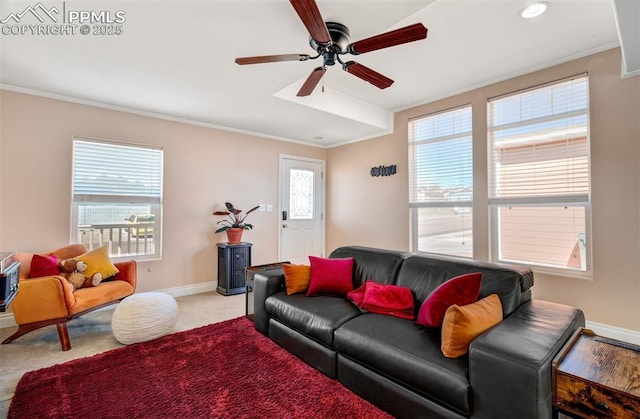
[232,261]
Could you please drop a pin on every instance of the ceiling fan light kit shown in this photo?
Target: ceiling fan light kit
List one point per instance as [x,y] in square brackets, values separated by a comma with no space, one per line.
[330,40]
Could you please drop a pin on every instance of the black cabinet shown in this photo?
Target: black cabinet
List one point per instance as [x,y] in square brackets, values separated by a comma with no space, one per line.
[232,261]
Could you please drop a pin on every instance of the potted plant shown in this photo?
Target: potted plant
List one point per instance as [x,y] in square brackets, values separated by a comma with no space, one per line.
[234,224]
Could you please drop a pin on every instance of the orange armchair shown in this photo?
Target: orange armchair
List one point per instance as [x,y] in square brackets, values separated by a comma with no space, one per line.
[49,300]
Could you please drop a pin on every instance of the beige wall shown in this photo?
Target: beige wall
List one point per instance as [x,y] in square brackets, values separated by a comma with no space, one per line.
[374,211]
[203,168]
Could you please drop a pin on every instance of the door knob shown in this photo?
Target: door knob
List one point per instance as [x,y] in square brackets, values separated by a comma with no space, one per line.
[284,226]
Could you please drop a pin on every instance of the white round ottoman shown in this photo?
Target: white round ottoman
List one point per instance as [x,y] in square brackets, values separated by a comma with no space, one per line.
[145,316]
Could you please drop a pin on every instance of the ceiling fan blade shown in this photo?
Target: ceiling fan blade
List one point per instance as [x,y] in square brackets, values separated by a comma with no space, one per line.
[312,81]
[272,58]
[400,36]
[367,74]
[312,19]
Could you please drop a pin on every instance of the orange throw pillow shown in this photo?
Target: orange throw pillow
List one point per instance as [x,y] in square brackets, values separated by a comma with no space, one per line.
[296,278]
[462,324]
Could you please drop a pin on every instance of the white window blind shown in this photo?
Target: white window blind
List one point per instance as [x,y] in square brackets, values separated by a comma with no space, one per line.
[441,182]
[539,175]
[110,172]
[440,158]
[538,144]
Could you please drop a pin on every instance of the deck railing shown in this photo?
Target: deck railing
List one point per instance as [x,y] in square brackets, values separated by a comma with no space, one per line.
[128,239]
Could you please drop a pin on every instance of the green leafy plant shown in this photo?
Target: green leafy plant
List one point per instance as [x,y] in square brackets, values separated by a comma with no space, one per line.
[235,218]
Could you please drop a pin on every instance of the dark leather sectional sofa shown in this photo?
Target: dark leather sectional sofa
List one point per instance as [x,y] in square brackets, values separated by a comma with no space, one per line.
[398,365]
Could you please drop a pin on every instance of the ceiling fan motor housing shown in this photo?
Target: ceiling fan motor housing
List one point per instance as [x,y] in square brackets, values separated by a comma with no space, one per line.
[340,38]
[330,40]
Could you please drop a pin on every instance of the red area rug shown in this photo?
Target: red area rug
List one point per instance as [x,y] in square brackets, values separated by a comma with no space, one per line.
[224,370]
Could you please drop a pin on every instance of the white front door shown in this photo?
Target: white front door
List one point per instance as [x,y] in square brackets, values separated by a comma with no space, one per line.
[301,209]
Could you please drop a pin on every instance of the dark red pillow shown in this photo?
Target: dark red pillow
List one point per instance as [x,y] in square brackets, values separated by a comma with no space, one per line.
[461,290]
[391,300]
[44,266]
[357,295]
[330,276]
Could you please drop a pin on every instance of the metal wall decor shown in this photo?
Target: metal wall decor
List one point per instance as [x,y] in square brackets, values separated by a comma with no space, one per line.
[383,170]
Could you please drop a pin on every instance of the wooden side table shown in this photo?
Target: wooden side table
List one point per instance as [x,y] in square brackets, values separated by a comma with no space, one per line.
[596,377]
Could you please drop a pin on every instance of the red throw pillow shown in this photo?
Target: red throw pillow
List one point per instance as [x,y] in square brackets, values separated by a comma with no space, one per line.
[330,276]
[391,300]
[43,266]
[357,295]
[461,290]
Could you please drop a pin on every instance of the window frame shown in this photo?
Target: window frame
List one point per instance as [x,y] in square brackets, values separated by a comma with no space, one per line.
[156,204]
[582,200]
[414,207]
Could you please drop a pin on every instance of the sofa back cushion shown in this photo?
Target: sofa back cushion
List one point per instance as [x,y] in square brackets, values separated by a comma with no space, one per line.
[378,265]
[425,272]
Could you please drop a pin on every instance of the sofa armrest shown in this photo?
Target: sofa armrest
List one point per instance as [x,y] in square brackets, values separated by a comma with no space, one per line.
[510,364]
[43,298]
[265,285]
[128,272]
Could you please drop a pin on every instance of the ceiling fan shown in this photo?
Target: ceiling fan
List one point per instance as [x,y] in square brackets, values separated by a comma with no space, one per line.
[330,40]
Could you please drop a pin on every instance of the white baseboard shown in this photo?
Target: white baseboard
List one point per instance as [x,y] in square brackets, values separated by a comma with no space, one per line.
[191,289]
[625,335]
[7,320]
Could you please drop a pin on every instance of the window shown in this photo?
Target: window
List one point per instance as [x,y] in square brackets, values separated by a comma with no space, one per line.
[441,182]
[301,194]
[539,176]
[117,198]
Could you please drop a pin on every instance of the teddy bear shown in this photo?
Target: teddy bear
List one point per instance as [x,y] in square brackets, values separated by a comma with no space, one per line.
[72,270]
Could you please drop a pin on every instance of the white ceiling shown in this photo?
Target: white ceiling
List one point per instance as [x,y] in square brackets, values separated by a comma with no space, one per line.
[176,59]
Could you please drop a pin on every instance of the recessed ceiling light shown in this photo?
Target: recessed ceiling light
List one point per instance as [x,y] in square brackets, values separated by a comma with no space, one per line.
[534,10]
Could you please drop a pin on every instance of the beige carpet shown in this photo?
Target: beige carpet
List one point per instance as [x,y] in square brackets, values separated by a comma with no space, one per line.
[91,334]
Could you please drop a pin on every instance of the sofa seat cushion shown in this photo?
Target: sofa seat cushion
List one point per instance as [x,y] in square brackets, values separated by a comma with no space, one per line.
[106,292]
[408,354]
[316,317]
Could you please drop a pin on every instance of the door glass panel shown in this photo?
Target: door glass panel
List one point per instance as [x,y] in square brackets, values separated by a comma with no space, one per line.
[301,205]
